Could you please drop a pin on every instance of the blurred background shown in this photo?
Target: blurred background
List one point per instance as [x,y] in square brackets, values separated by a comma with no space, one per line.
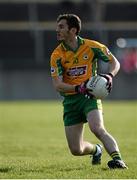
[28,37]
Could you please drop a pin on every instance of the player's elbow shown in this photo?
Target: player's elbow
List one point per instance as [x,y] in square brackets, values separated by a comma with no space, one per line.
[118,66]
[115,65]
[58,86]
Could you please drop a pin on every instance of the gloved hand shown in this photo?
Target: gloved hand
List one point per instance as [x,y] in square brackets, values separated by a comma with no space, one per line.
[109,78]
[81,89]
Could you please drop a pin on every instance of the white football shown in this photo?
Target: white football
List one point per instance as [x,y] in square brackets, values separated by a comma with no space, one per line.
[97,87]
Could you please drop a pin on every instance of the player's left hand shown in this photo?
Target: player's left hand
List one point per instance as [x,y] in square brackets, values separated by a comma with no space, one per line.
[109,78]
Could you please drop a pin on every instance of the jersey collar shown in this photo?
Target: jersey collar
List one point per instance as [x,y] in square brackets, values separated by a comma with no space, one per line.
[68,48]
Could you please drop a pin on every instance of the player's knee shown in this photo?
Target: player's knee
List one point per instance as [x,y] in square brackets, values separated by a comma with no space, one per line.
[76,151]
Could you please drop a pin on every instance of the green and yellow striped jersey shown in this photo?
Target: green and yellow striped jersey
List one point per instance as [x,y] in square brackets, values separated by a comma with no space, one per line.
[77,66]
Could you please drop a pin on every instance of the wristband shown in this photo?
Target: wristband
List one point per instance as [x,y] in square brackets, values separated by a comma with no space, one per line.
[111,74]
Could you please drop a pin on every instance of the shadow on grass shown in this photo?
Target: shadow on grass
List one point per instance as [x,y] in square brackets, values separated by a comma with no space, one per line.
[64,168]
[105,169]
[34,170]
[68,169]
[5,170]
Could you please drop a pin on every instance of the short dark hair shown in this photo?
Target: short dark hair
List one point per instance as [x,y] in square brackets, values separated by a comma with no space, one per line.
[73,21]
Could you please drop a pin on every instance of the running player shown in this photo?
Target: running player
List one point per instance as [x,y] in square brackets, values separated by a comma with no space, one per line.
[73,62]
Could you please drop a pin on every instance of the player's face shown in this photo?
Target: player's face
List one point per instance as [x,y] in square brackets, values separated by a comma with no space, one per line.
[62,30]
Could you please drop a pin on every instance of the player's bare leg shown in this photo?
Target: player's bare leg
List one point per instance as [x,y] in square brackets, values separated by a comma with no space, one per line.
[96,124]
[77,145]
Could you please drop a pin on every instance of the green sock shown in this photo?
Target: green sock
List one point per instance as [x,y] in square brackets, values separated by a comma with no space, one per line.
[116,155]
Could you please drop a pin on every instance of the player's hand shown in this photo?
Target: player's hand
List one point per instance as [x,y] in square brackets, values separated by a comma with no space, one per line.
[81,89]
[109,78]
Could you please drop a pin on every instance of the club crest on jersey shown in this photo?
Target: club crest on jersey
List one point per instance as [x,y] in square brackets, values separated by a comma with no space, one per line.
[75,61]
[85,56]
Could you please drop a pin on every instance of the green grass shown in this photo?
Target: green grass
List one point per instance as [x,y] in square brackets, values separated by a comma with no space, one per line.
[33,144]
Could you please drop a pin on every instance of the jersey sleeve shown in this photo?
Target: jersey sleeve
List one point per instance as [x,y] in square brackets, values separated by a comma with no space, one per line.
[102,52]
[106,52]
[55,64]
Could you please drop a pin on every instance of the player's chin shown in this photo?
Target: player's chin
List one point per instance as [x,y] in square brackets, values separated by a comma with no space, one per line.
[60,38]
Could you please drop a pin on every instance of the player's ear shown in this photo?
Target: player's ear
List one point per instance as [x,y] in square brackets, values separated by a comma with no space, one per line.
[73,30]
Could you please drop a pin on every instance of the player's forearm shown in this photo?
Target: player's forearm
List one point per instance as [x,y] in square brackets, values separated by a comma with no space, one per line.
[114,67]
[63,87]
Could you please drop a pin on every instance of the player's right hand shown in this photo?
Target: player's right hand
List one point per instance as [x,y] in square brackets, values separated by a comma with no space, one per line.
[81,89]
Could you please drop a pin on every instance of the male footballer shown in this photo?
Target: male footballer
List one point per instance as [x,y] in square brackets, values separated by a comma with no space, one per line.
[73,62]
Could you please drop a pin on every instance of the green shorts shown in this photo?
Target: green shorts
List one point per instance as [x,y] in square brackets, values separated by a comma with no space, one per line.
[76,108]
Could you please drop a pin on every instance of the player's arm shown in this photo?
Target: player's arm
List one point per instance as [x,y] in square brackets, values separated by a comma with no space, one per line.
[57,74]
[103,53]
[114,66]
[60,86]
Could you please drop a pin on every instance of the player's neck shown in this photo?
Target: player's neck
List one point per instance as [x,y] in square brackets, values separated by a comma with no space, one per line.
[72,43]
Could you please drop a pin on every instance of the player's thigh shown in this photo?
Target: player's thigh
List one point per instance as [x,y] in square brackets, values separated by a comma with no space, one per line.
[95,120]
[74,135]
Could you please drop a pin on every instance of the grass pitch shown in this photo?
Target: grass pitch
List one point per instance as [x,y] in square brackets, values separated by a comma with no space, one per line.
[33,144]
